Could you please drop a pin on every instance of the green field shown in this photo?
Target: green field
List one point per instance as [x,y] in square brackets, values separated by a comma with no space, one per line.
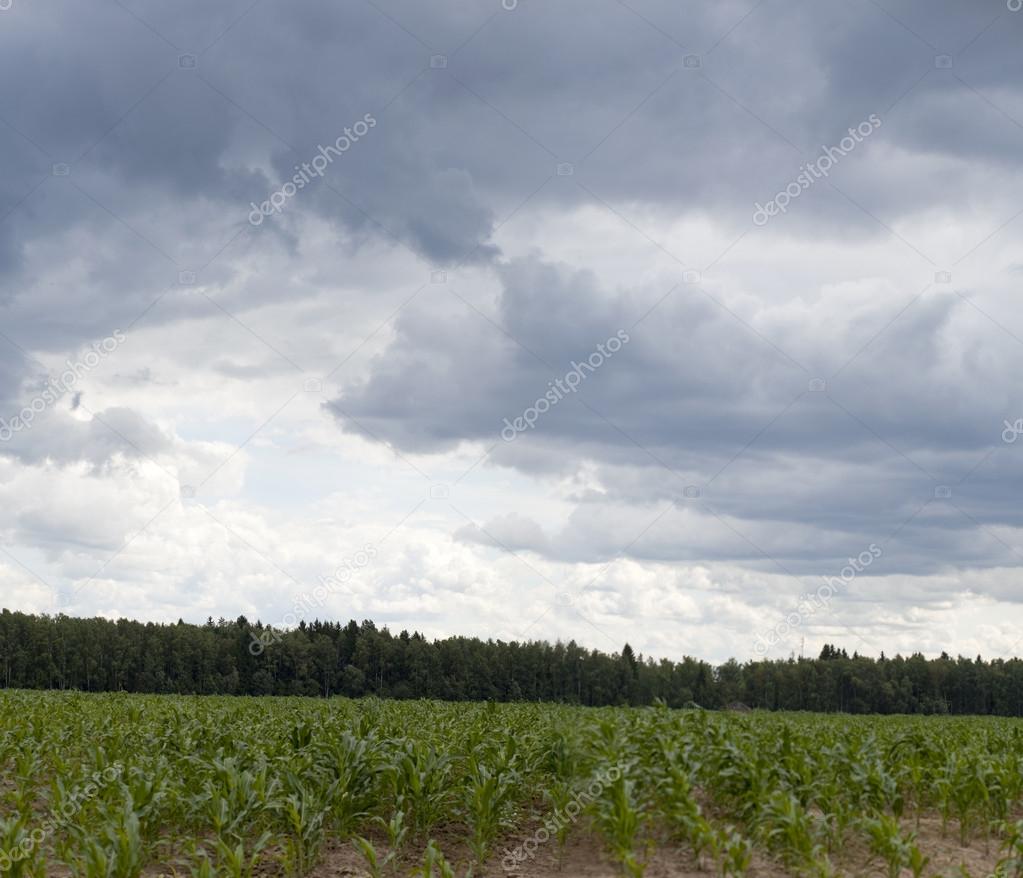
[124,785]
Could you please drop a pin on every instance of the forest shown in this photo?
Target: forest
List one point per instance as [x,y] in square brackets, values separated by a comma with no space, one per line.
[322,658]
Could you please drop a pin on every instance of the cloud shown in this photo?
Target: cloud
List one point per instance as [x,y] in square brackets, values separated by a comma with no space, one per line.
[706,397]
[510,532]
[538,180]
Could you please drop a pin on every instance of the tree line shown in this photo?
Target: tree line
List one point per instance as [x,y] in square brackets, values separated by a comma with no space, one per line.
[330,658]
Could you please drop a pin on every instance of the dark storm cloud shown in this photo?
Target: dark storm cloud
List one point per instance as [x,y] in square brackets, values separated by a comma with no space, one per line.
[602,85]
[694,375]
[701,399]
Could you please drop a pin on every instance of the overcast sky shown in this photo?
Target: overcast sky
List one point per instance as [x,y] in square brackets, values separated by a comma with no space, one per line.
[597,319]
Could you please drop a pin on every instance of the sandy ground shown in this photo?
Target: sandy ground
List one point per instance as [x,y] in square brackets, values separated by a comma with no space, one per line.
[584,857]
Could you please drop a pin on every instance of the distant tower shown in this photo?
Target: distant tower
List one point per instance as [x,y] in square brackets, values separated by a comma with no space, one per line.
[802,643]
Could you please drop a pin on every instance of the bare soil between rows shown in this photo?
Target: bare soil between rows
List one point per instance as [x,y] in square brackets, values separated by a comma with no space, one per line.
[584,856]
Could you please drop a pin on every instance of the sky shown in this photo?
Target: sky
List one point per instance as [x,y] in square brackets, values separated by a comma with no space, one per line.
[685,324]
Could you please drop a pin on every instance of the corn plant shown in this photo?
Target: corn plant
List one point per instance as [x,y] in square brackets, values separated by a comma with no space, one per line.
[789,829]
[436,866]
[217,786]
[354,764]
[899,851]
[559,795]
[118,851]
[396,830]
[1011,864]
[737,853]
[237,861]
[619,820]
[422,776]
[304,812]
[20,854]
[489,795]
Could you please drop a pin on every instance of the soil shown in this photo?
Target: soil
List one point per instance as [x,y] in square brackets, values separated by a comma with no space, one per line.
[584,857]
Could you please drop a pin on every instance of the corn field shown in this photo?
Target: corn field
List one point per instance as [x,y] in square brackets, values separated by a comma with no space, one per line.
[117,786]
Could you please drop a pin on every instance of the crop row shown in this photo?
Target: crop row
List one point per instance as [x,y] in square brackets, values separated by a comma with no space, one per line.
[115,786]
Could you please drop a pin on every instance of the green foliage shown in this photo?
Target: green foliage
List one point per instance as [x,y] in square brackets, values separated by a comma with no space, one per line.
[20,856]
[619,820]
[491,791]
[436,866]
[898,850]
[1011,864]
[237,861]
[396,832]
[237,657]
[304,813]
[116,850]
[119,785]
